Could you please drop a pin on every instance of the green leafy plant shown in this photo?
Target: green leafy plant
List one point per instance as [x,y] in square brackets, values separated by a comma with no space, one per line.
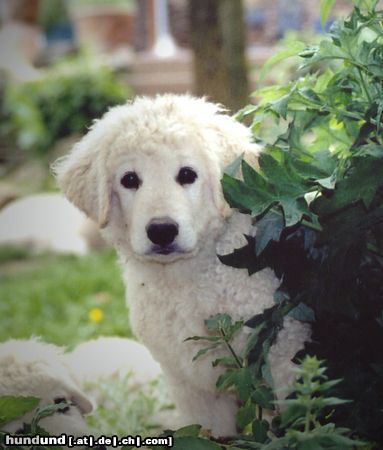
[64,101]
[14,407]
[317,198]
[305,422]
[243,375]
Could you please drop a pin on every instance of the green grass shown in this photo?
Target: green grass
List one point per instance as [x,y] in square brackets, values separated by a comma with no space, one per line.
[56,297]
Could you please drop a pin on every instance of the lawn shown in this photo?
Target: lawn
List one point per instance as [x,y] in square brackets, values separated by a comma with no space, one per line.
[65,299]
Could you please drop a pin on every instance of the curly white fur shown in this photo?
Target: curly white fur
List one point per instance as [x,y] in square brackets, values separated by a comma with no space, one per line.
[170,295]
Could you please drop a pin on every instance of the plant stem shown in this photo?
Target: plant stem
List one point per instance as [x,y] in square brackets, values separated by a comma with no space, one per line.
[231,350]
[312,226]
[364,85]
[307,420]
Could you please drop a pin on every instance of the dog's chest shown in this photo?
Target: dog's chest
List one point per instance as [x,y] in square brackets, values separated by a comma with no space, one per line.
[164,302]
[168,306]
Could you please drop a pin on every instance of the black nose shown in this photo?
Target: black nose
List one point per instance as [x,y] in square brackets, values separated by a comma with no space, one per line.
[162,234]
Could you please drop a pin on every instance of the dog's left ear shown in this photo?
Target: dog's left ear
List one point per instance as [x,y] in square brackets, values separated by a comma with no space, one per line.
[83,177]
[232,140]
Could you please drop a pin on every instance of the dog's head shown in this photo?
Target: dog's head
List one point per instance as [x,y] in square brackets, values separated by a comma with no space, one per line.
[149,173]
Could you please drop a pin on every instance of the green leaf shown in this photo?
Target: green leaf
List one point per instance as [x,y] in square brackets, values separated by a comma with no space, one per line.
[277,444]
[46,411]
[243,258]
[324,162]
[327,385]
[253,339]
[292,413]
[240,196]
[190,430]
[280,106]
[205,350]
[333,401]
[286,182]
[243,383]
[218,322]
[224,361]
[245,414]
[253,179]
[269,228]
[291,49]
[362,184]
[325,7]
[270,93]
[336,439]
[13,407]
[323,80]
[260,430]
[311,443]
[302,313]
[222,324]
[248,109]
[294,210]
[240,379]
[203,338]
[264,397]
[373,150]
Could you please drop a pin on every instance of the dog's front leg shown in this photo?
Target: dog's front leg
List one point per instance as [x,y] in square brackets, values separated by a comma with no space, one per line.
[214,411]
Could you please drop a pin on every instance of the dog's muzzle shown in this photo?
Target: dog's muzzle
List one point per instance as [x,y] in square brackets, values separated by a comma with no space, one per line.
[162,233]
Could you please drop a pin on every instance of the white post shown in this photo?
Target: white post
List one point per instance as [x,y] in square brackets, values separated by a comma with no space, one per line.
[164,45]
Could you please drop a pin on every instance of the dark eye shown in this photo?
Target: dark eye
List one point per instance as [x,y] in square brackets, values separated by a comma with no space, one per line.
[64,409]
[131,180]
[186,175]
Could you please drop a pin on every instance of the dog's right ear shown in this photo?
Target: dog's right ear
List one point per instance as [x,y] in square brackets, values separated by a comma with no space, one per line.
[231,140]
[83,177]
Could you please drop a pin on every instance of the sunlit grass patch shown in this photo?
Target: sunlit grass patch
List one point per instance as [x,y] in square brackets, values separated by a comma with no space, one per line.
[58,297]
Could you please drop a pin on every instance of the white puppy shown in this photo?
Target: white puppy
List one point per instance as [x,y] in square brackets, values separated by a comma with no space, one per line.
[149,174]
[34,368]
